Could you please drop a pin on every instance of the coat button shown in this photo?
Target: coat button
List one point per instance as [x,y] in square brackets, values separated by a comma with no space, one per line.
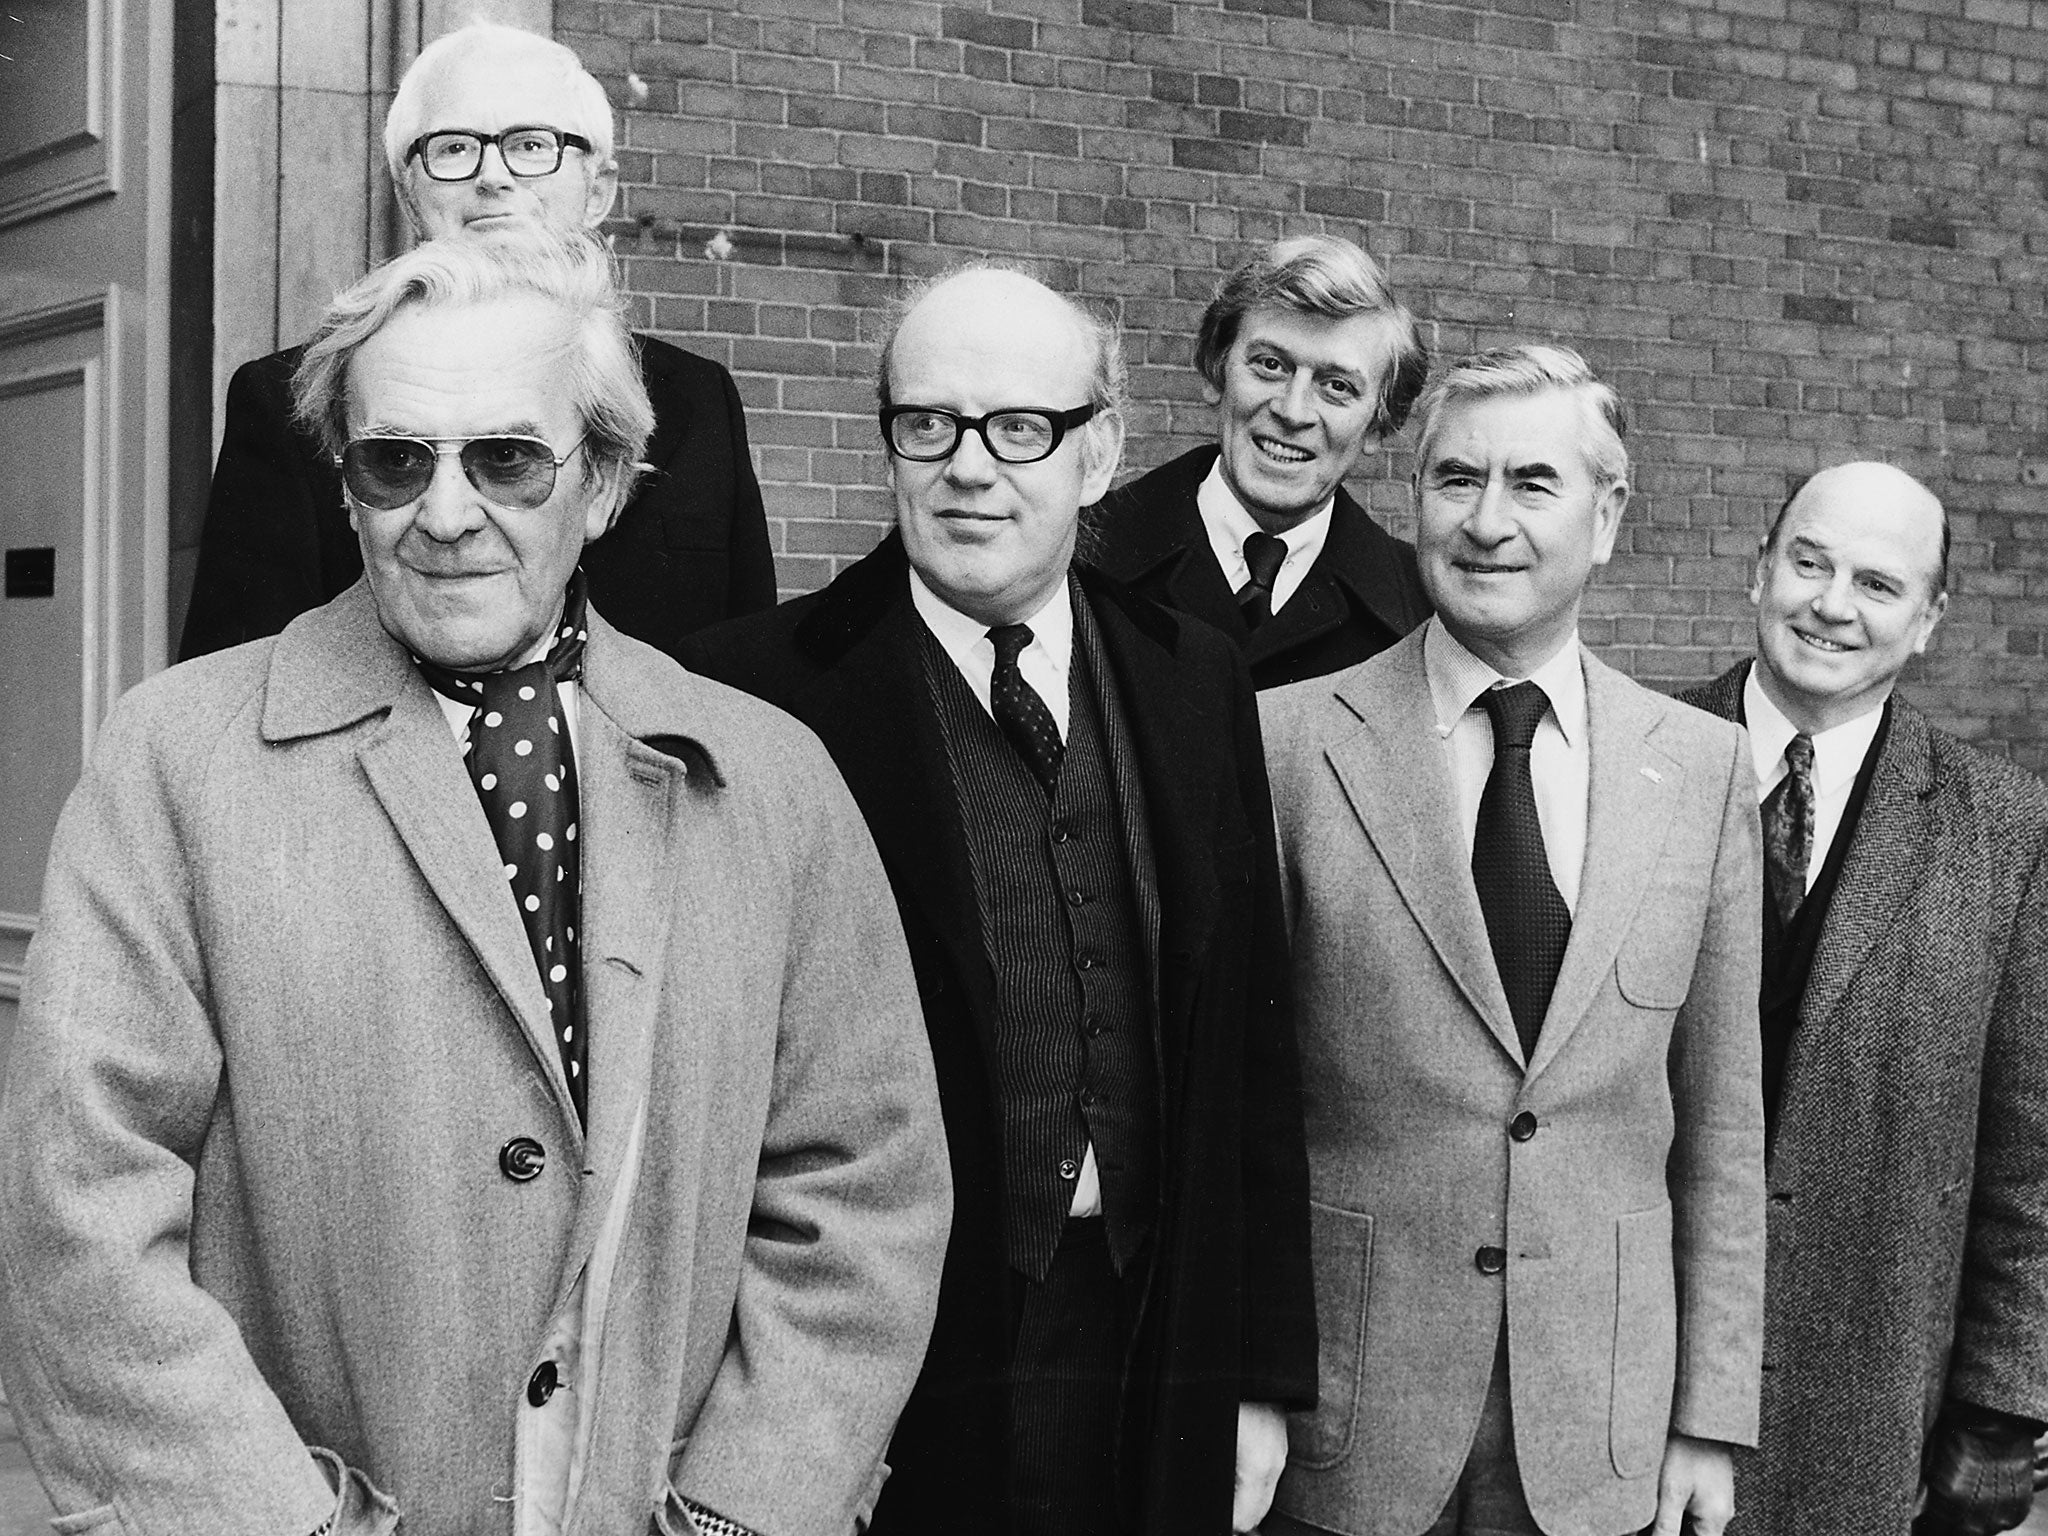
[1069,1169]
[1523,1126]
[540,1386]
[1491,1261]
[521,1159]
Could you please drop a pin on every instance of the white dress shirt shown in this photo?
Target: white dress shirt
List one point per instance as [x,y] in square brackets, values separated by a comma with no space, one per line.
[1560,760]
[1229,525]
[1838,756]
[1045,663]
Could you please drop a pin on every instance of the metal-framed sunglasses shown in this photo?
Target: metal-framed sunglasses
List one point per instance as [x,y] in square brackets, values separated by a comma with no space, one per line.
[924,434]
[457,154]
[508,470]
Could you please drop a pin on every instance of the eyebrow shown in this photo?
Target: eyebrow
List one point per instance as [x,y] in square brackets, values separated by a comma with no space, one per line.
[1257,340]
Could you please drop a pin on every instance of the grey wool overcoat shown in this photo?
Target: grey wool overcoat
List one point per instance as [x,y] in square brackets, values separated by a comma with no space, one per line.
[1908,1254]
[279,1023]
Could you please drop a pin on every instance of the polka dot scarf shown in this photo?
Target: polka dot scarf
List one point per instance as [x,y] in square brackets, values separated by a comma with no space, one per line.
[524,767]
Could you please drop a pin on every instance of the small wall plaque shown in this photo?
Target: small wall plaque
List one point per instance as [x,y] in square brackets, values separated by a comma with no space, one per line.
[32,573]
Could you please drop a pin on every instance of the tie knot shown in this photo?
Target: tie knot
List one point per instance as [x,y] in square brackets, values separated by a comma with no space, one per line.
[1264,554]
[1515,713]
[1799,754]
[1009,641]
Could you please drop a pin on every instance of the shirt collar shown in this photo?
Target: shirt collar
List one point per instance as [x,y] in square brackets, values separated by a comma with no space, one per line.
[1838,752]
[1052,626]
[1457,678]
[1229,525]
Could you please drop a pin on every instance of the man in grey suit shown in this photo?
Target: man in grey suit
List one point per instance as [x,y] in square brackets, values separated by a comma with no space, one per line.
[469,1071]
[1522,896]
[1905,1035]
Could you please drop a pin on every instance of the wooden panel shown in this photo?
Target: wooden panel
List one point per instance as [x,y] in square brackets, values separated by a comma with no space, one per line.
[56,148]
[323,203]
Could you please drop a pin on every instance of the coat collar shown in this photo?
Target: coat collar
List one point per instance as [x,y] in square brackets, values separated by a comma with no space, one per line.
[1159,534]
[646,737]
[1397,780]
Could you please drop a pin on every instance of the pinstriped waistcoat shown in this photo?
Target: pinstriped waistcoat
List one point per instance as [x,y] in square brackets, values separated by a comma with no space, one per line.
[1063,922]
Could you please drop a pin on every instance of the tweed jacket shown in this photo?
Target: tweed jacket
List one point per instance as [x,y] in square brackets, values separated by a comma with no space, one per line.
[689,549]
[1227,1310]
[1362,594]
[1617,1174]
[1908,1237]
[281,1019]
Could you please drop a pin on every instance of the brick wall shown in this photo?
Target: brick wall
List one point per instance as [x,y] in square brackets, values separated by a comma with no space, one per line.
[1790,231]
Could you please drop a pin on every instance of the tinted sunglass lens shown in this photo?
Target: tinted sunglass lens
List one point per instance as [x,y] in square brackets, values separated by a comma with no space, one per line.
[513,471]
[387,472]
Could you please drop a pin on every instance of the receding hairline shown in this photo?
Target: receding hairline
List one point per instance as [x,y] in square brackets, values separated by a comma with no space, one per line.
[1084,327]
[1877,477]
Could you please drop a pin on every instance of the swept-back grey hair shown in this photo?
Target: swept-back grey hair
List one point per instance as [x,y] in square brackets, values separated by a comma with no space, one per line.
[1533,369]
[600,373]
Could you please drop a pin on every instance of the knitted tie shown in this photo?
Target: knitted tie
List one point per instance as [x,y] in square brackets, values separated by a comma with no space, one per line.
[1788,830]
[1264,554]
[524,767]
[1527,922]
[1020,711]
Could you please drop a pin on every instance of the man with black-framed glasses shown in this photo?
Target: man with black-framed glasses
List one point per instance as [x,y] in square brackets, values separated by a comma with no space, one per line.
[492,129]
[1065,782]
[469,1076]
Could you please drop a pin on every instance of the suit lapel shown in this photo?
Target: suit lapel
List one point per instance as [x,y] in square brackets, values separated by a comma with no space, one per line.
[1629,792]
[1885,863]
[1395,775]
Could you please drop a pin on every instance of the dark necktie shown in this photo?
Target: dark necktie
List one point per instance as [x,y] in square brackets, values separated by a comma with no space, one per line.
[1527,922]
[1020,711]
[1264,554]
[524,767]
[1788,830]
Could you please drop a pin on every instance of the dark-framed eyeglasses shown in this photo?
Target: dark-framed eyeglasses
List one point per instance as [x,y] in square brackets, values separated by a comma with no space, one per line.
[925,434]
[456,154]
[508,470]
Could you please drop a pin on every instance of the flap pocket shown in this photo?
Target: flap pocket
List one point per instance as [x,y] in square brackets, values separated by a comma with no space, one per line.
[1645,1342]
[1340,1243]
[1654,969]
[85,1520]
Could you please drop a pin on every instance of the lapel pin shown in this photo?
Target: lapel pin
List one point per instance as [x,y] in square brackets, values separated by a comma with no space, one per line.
[1653,775]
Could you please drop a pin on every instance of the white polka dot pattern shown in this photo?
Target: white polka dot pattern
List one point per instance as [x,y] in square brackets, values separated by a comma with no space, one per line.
[526,778]
[1020,711]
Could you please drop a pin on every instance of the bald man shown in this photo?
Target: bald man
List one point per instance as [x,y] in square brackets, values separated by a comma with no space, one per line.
[1067,788]
[1905,1030]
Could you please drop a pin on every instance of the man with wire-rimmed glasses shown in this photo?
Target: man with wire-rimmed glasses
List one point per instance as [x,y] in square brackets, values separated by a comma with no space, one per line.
[1066,786]
[469,1076]
[492,129]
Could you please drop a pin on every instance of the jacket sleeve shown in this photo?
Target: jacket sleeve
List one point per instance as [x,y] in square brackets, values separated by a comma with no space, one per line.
[2000,1358]
[262,558]
[134,1390]
[1716,1170]
[752,569]
[1279,1296]
[851,1206]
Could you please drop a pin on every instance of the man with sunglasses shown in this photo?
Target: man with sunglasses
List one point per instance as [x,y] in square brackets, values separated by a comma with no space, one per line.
[492,129]
[469,1076]
[1066,786]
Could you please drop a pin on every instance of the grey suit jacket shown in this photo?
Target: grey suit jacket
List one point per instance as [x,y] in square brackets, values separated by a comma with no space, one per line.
[1908,1253]
[281,1019]
[1632,1217]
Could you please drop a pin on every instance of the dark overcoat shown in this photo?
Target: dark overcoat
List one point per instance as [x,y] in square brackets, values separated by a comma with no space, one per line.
[1362,594]
[689,549]
[1227,1314]
[1908,1183]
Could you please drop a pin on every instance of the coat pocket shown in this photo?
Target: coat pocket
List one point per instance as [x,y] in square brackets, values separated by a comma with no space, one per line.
[1340,1243]
[1645,1342]
[85,1520]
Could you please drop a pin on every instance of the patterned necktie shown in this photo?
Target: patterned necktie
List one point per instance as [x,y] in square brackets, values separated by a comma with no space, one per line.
[1788,830]
[1527,922]
[524,767]
[1264,554]
[1020,711]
